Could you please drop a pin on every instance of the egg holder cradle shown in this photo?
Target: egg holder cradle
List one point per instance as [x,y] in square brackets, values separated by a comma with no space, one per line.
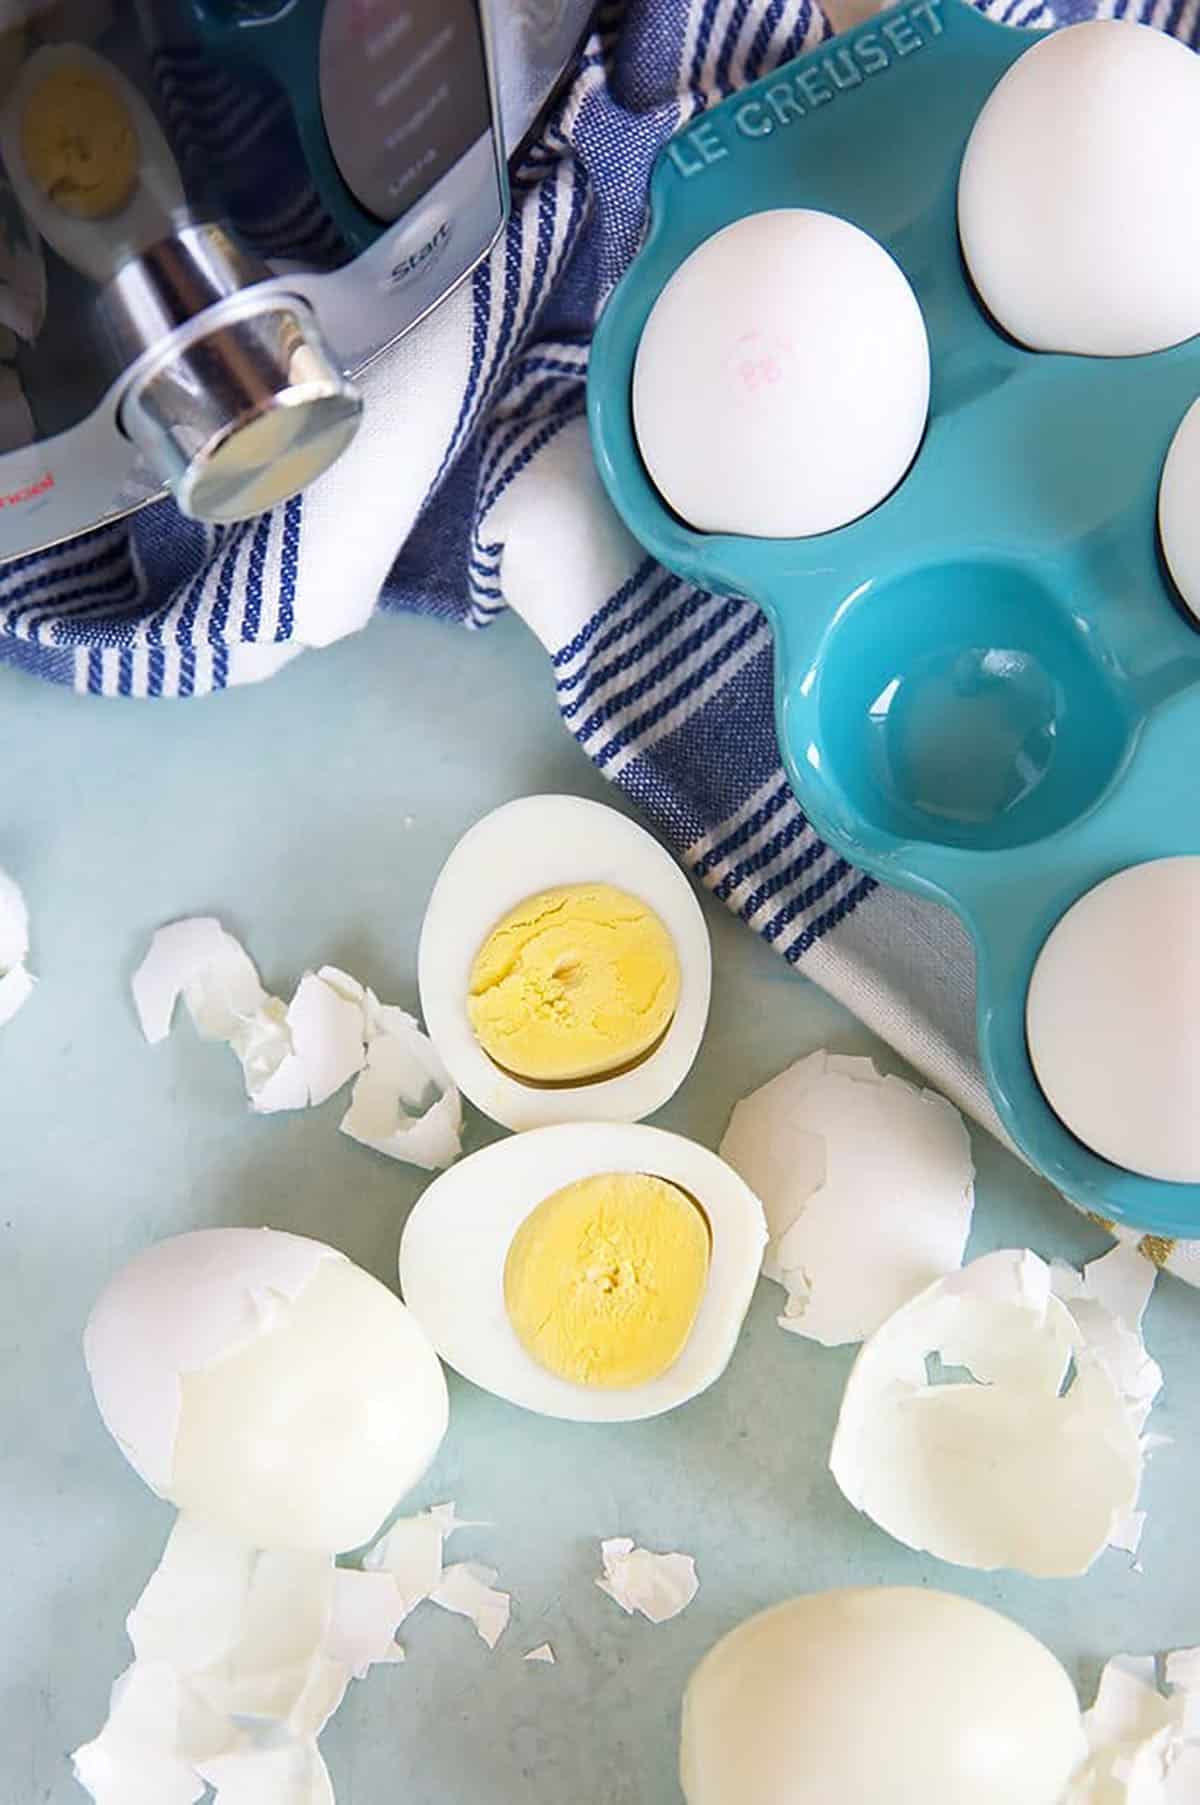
[987,691]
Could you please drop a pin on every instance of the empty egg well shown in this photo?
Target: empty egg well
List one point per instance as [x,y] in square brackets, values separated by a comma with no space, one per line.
[963,705]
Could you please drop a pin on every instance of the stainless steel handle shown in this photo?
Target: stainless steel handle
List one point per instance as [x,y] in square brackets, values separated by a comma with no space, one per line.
[236,400]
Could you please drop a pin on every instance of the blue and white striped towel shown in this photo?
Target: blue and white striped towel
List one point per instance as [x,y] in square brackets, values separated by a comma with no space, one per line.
[471,489]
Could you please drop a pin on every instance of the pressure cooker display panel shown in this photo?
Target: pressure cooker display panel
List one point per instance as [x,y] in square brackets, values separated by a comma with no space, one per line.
[404,93]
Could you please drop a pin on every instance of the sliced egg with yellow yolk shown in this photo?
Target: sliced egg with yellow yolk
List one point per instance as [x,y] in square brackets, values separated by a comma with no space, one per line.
[564,966]
[599,1272]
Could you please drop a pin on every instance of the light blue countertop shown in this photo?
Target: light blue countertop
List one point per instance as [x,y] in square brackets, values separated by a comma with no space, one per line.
[312,815]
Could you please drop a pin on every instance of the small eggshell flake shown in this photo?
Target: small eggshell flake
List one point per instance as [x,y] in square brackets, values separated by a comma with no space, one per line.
[1115,1040]
[404,1103]
[1179,509]
[456,1240]
[266,1384]
[1143,1745]
[868,1187]
[16,983]
[1076,200]
[197,959]
[468,1590]
[882,1695]
[782,380]
[540,843]
[1032,1462]
[659,1586]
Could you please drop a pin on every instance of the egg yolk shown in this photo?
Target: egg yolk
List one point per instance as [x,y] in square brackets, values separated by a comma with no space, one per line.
[572,984]
[604,1279]
[79,142]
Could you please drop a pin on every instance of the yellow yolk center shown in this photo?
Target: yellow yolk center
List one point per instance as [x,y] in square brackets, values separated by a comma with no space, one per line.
[572,984]
[79,142]
[604,1279]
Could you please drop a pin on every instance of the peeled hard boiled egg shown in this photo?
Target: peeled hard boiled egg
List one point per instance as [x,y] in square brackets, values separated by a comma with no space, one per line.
[267,1385]
[782,380]
[564,965]
[1113,1019]
[879,1696]
[569,1251]
[1077,196]
[1179,509]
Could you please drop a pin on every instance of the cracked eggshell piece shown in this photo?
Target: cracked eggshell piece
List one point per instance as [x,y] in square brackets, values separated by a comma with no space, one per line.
[136,1758]
[198,960]
[1031,1462]
[657,1585]
[882,1695]
[540,843]
[16,983]
[1143,1746]
[290,1774]
[456,1241]
[404,1103]
[468,1590]
[267,1384]
[868,1185]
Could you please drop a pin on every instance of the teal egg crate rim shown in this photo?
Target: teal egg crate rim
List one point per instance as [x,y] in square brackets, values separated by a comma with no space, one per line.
[987,691]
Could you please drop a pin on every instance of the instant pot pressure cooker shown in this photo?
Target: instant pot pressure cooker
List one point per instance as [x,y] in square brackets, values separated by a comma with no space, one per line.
[213,213]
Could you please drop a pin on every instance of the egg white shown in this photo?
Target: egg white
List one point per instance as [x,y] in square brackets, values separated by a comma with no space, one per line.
[540,843]
[95,247]
[885,1694]
[456,1241]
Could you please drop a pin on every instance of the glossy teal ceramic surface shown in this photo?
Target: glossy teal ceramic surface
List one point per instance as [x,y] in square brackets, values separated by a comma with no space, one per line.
[987,691]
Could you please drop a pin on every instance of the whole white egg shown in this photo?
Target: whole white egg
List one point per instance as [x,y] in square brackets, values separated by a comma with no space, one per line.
[782,380]
[1113,1019]
[1179,509]
[536,844]
[457,1238]
[267,1385]
[879,1696]
[1077,196]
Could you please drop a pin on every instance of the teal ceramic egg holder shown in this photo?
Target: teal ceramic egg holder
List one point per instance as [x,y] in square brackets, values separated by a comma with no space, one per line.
[986,689]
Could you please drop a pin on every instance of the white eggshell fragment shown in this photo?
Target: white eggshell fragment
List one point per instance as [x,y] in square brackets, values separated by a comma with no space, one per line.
[268,1385]
[782,380]
[404,1102]
[878,1696]
[16,981]
[659,1586]
[1113,1019]
[1179,509]
[1029,1459]
[539,843]
[456,1241]
[469,1591]
[1143,1745]
[868,1185]
[1076,199]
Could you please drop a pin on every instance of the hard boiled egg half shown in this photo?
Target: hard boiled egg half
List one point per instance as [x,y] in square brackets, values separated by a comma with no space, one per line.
[267,1385]
[564,966]
[594,1271]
